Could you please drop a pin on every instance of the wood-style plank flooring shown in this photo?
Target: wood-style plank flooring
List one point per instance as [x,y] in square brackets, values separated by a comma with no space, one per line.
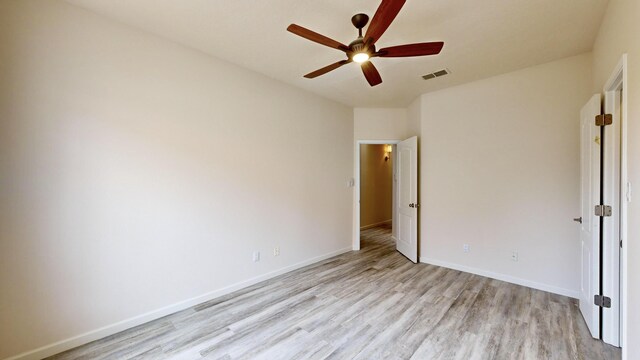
[370,304]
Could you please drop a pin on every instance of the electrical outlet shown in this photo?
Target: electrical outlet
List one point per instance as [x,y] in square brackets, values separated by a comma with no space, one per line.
[465,248]
[276,251]
[256,256]
[514,256]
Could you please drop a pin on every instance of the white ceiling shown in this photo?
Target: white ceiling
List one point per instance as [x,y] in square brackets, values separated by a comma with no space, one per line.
[482,38]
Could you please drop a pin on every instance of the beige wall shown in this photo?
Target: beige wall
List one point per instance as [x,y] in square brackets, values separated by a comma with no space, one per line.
[414,118]
[619,34]
[376,185]
[137,175]
[379,123]
[500,172]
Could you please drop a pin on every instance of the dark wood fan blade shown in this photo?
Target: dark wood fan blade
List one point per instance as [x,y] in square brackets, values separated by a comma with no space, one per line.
[371,73]
[326,69]
[315,37]
[387,11]
[421,49]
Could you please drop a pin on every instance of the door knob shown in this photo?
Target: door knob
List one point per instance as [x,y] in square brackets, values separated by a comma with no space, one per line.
[579,220]
[411,205]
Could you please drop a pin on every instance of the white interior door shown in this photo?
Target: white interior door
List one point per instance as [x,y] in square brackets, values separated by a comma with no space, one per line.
[590,226]
[407,240]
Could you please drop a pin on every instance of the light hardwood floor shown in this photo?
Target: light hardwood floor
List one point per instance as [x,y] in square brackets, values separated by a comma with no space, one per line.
[370,304]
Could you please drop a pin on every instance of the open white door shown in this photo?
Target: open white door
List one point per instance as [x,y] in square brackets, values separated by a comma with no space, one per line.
[407,162]
[590,224]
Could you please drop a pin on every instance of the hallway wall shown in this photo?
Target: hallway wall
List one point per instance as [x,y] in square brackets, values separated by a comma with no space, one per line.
[376,185]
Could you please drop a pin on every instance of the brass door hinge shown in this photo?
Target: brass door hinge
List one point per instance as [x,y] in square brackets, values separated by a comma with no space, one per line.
[604,119]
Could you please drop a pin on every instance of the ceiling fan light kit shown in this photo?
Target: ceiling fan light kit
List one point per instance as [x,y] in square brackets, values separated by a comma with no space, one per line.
[362,49]
[360,57]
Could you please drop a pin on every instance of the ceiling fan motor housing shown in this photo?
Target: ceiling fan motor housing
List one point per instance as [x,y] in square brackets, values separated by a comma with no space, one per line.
[357,45]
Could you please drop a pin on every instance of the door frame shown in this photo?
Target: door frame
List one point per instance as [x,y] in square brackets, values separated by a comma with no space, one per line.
[356,215]
[616,194]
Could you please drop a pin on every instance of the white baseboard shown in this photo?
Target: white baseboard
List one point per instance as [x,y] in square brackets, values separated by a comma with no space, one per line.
[105,331]
[507,278]
[386,222]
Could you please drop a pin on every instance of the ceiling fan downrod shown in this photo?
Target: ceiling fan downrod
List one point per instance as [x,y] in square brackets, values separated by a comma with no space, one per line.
[360,21]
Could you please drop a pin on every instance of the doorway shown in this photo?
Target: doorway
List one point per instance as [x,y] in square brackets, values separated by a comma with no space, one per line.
[377,186]
[358,184]
[402,158]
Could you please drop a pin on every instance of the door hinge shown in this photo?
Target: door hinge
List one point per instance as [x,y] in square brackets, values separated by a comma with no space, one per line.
[604,119]
[602,301]
[620,243]
[602,210]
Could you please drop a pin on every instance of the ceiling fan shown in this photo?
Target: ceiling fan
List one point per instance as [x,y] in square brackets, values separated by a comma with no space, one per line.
[362,49]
